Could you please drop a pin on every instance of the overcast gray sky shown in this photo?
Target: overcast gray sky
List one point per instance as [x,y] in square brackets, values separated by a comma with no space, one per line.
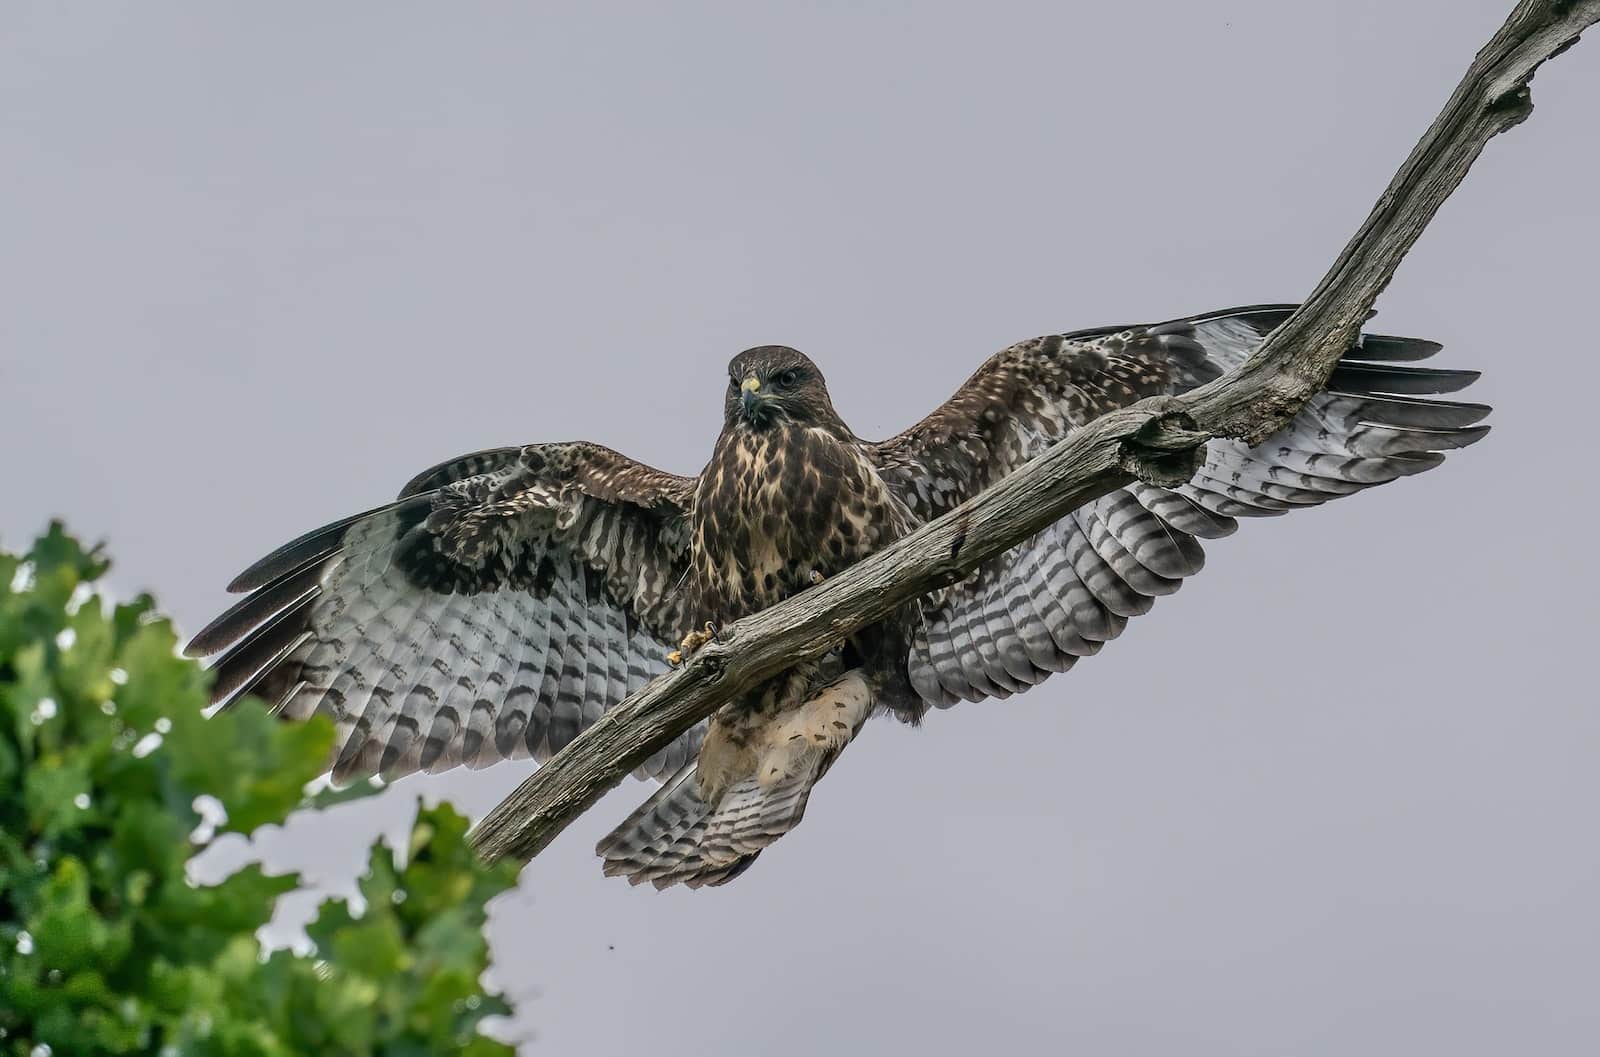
[261,263]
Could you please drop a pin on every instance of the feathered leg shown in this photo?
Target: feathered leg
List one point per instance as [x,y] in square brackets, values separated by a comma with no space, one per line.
[708,823]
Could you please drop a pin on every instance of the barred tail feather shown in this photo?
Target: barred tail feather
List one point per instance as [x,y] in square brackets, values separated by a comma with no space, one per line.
[645,835]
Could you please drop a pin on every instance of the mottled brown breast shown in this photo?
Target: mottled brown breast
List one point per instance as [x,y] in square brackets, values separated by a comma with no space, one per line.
[776,507]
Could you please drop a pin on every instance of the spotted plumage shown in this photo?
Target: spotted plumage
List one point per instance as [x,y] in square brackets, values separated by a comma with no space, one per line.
[508,597]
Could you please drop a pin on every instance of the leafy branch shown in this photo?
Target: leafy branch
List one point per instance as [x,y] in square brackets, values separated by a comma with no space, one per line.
[112,779]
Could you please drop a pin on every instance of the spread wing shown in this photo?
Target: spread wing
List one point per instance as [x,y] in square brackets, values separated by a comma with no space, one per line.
[1071,588]
[495,609]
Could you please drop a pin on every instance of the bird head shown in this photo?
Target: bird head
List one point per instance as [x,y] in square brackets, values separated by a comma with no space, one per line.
[774,383]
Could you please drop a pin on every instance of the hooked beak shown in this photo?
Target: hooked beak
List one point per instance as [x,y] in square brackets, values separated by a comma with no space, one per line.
[750,391]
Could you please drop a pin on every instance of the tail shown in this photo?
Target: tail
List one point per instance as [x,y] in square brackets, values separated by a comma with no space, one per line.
[688,834]
[663,841]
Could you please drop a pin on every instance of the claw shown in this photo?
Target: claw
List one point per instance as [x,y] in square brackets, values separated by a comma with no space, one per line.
[816,578]
[691,642]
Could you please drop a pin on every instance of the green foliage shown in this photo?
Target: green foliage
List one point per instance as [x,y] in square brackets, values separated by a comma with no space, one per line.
[108,947]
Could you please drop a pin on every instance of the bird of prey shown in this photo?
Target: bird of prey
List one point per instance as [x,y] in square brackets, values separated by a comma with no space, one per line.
[509,597]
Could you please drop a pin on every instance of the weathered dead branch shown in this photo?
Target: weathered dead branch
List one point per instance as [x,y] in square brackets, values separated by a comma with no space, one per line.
[1155,440]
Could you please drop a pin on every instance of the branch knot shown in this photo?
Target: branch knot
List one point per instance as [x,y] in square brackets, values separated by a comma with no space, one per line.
[1165,451]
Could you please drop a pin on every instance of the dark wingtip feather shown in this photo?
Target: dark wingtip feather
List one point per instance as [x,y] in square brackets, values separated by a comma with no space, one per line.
[203,644]
[1402,381]
[258,651]
[1423,414]
[1458,438]
[1391,349]
[318,543]
[253,610]
[300,551]
[321,542]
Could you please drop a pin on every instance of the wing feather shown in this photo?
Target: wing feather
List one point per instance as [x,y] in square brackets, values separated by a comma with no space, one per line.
[1072,587]
[497,608]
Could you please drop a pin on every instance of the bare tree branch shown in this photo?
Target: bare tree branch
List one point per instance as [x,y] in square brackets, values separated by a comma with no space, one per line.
[1159,440]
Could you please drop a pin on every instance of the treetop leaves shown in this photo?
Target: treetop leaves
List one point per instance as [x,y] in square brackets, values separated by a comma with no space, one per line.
[107,946]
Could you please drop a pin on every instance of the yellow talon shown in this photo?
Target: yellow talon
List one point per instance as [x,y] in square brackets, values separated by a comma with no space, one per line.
[691,642]
[816,578]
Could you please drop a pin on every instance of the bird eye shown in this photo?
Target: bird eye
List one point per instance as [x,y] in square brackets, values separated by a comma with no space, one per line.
[787,378]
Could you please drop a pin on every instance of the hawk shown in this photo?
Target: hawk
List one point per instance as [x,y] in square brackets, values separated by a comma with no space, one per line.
[509,597]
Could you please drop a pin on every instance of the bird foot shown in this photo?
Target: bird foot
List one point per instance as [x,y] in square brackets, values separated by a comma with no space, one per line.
[691,642]
[816,577]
